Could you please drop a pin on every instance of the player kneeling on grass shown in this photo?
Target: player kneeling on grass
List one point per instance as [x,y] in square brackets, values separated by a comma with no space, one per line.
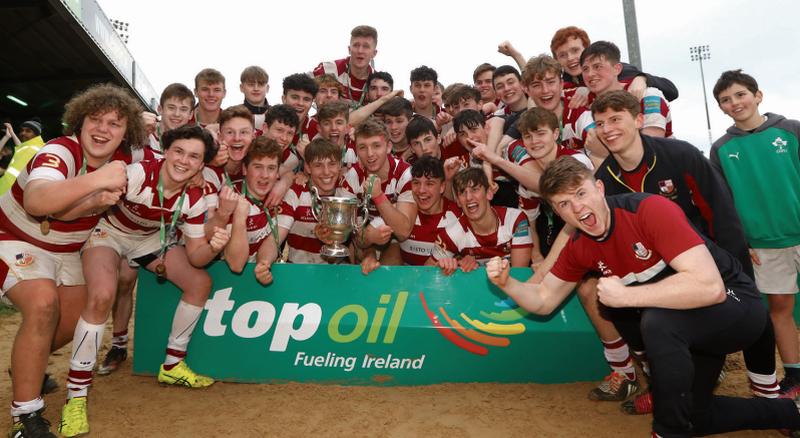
[484,231]
[668,290]
[252,222]
[158,201]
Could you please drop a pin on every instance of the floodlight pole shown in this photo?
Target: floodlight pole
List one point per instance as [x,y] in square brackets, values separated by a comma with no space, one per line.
[632,33]
[699,53]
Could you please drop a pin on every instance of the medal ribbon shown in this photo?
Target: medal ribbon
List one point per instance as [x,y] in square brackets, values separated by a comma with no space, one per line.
[228,180]
[272,227]
[162,231]
[367,199]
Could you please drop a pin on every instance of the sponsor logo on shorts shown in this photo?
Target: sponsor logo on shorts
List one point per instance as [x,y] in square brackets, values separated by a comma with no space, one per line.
[99,233]
[23,260]
[641,252]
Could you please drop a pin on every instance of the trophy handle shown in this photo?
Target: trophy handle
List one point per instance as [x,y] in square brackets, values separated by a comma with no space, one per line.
[359,224]
[315,203]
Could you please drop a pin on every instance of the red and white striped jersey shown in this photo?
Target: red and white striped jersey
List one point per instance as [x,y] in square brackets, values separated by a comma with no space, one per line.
[154,142]
[140,154]
[397,187]
[258,122]
[305,127]
[215,178]
[460,240]
[576,123]
[313,127]
[417,248]
[58,160]
[456,149]
[350,156]
[295,215]
[140,211]
[655,108]
[353,86]
[517,154]
[258,227]
[529,200]
[289,158]
[193,120]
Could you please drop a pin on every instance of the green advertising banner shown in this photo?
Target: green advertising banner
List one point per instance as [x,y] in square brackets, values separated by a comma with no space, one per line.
[398,326]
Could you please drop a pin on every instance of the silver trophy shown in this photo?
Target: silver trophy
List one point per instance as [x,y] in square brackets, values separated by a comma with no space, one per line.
[340,214]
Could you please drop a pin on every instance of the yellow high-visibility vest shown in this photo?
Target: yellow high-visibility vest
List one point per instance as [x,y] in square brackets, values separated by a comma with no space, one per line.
[22,154]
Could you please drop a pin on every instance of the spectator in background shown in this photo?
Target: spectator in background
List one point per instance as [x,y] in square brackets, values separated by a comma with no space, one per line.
[26,146]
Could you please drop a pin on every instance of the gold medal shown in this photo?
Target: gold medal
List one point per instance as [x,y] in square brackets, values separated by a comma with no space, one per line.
[161,271]
[44,226]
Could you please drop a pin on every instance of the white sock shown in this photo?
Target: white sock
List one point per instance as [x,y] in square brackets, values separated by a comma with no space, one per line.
[25,407]
[120,340]
[186,317]
[85,345]
[764,385]
[619,358]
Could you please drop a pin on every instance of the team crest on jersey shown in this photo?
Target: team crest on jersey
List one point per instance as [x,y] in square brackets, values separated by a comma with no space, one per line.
[780,145]
[99,233]
[667,188]
[23,260]
[641,252]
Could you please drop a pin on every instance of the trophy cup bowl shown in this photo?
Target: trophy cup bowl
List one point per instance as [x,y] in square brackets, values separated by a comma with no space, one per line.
[340,215]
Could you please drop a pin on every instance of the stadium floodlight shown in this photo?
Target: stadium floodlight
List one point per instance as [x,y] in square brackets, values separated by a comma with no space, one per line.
[122,29]
[700,53]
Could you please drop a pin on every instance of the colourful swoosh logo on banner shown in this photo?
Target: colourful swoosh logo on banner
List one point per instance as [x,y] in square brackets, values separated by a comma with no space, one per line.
[476,336]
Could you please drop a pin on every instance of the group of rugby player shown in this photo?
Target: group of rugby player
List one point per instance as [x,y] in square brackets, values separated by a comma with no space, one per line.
[451,178]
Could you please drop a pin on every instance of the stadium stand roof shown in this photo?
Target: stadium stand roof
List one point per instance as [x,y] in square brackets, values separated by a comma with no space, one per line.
[54,48]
